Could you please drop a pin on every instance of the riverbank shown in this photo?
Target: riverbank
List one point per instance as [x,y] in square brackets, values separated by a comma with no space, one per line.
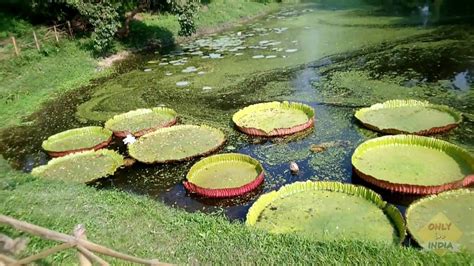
[30,80]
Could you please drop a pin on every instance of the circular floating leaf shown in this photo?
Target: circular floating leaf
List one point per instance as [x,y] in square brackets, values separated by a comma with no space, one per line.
[224,175]
[274,118]
[81,167]
[448,214]
[328,211]
[77,140]
[413,164]
[141,121]
[409,116]
[176,143]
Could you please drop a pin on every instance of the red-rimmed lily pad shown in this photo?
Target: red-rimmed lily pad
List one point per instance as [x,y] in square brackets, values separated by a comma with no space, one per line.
[141,121]
[224,176]
[274,119]
[177,143]
[443,221]
[328,211]
[409,117]
[81,167]
[77,140]
[413,164]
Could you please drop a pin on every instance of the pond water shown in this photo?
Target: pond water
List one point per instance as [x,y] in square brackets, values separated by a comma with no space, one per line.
[335,60]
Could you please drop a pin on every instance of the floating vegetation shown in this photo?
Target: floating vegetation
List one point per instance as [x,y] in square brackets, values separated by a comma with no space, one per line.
[77,140]
[176,143]
[453,210]
[409,116]
[182,83]
[224,175]
[141,121]
[328,211]
[81,167]
[413,164]
[274,119]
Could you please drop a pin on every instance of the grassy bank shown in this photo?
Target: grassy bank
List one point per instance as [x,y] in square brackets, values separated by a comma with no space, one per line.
[29,80]
[145,228]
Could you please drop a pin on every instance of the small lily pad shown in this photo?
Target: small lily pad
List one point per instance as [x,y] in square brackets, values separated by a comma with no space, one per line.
[76,140]
[81,167]
[224,175]
[141,121]
[176,143]
[452,210]
[413,164]
[409,116]
[274,118]
[328,211]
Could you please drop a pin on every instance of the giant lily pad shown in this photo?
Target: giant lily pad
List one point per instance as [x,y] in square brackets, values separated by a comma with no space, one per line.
[81,167]
[141,121]
[274,118]
[409,116]
[444,220]
[76,140]
[328,211]
[224,175]
[413,164]
[176,143]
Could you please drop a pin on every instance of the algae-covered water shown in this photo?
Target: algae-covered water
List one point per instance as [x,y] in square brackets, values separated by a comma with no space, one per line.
[335,60]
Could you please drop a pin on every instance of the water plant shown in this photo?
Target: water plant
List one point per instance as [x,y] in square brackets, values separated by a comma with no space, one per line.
[453,211]
[81,167]
[176,143]
[77,140]
[409,116]
[141,121]
[274,118]
[413,164]
[328,211]
[224,175]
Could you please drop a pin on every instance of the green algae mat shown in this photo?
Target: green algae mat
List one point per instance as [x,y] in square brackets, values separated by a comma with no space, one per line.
[444,221]
[141,121]
[328,211]
[274,119]
[176,143]
[81,167]
[413,164]
[224,175]
[409,116]
[76,140]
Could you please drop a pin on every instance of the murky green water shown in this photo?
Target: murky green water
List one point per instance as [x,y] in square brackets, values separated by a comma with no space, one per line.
[334,60]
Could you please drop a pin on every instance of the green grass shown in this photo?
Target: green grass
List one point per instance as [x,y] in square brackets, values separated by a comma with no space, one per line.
[26,82]
[140,226]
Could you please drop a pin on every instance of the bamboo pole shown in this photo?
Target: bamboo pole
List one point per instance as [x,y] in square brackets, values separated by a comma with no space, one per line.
[69,28]
[56,34]
[53,235]
[36,41]
[16,47]
[6,259]
[44,254]
[92,256]
[80,233]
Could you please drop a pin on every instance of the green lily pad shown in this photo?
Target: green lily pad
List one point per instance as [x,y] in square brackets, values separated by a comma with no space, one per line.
[409,116]
[328,211]
[176,143]
[78,139]
[452,210]
[141,121]
[413,164]
[224,175]
[274,118]
[81,167]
